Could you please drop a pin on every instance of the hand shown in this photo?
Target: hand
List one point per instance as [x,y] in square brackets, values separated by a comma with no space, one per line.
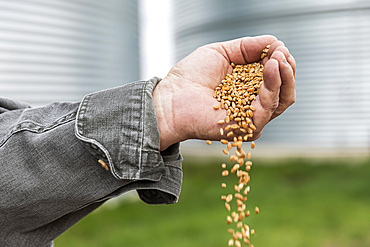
[183,100]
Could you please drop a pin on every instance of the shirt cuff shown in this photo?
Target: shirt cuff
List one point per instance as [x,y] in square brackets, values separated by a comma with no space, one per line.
[120,127]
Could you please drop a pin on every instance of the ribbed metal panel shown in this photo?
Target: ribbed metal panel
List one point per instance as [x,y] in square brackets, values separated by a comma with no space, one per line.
[60,50]
[330,41]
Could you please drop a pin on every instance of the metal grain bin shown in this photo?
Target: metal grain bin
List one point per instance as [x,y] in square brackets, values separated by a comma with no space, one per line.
[60,50]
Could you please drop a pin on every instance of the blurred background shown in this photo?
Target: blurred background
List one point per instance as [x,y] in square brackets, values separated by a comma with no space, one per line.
[311,174]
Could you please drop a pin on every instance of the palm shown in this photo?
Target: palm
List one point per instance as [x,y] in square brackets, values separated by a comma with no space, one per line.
[208,67]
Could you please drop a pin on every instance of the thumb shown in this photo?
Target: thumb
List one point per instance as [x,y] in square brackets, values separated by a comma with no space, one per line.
[268,98]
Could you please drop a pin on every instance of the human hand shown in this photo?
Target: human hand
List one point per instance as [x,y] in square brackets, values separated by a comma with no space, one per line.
[183,100]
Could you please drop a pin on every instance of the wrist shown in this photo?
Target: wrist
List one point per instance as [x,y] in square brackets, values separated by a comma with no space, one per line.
[163,98]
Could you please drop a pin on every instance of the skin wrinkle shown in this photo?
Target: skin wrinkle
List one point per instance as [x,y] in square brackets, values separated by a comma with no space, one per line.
[287,102]
[224,53]
[162,97]
[162,120]
[172,113]
[259,126]
[197,132]
[194,133]
[244,52]
[226,57]
[173,129]
[209,132]
[175,73]
[277,112]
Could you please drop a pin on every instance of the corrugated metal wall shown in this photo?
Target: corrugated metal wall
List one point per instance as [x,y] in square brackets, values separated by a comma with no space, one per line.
[330,41]
[59,50]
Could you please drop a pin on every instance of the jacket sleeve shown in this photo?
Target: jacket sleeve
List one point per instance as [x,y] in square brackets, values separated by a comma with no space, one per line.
[50,175]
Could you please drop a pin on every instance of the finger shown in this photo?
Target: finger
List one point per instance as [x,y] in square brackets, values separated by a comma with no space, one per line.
[288,57]
[268,98]
[245,50]
[292,63]
[287,90]
[274,46]
[283,50]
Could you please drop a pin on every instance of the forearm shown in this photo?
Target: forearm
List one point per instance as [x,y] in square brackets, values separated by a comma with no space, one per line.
[50,175]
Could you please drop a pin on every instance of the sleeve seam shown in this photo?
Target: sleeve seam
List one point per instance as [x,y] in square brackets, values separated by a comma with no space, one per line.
[37,128]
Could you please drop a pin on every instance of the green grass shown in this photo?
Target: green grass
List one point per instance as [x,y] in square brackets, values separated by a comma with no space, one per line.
[302,203]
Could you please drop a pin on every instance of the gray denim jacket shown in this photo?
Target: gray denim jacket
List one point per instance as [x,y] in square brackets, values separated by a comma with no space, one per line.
[50,177]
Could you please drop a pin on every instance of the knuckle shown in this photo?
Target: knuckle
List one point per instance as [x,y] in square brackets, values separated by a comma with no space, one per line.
[293,99]
[280,110]
[284,50]
[274,105]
